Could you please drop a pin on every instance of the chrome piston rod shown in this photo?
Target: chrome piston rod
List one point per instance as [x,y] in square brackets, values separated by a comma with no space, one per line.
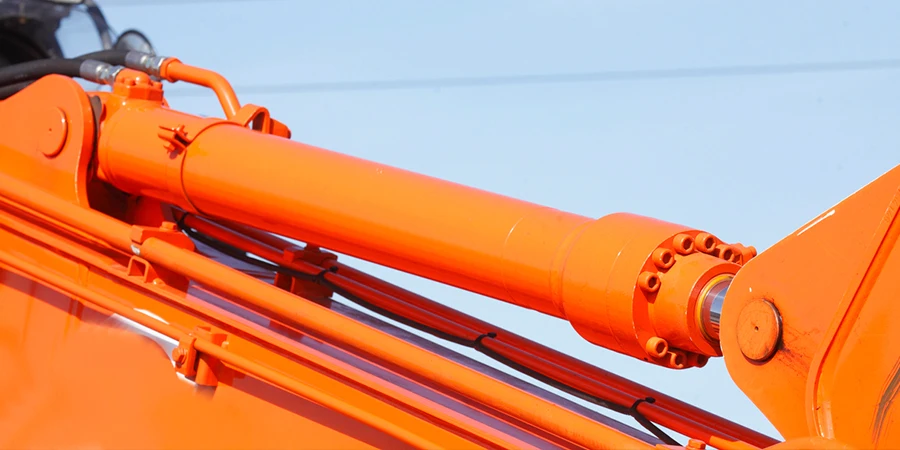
[712,300]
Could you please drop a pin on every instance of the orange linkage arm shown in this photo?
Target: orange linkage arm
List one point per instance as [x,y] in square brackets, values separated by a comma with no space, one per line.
[628,283]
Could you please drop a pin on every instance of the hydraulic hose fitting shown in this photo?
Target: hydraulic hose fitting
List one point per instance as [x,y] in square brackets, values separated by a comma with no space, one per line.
[99,72]
[145,62]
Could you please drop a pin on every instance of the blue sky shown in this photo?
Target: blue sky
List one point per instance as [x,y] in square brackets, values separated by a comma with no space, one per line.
[747,158]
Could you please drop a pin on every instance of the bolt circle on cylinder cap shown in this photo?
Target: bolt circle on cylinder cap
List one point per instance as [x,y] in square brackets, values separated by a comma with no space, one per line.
[611,281]
[759,330]
[52,141]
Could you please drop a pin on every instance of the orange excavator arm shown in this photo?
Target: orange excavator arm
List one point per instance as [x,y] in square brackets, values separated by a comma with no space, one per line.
[189,227]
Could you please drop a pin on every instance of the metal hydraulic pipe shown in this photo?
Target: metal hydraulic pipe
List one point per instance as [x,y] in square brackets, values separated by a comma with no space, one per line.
[601,275]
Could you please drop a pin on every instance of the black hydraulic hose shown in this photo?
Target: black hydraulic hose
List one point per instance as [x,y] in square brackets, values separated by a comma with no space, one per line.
[32,70]
[114,57]
[71,67]
[18,76]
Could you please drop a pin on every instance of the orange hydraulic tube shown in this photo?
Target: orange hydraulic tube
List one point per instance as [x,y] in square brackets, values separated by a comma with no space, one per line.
[616,279]
[174,70]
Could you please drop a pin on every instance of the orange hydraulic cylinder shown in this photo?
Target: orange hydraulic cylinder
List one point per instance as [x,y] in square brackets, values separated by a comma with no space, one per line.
[566,265]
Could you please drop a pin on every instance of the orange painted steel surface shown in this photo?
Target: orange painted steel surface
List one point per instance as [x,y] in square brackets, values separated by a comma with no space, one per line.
[208,416]
[807,328]
[534,410]
[52,119]
[49,325]
[421,404]
[824,363]
[602,275]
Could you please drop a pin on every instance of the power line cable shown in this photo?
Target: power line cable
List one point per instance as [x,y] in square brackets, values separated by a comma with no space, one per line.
[152,3]
[562,78]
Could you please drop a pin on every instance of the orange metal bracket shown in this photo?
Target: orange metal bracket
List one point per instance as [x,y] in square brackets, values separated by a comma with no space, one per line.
[813,316]
[201,368]
[53,139]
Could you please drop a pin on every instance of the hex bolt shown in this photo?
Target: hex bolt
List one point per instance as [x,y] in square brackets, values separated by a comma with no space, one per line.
[676,359]
[705,242]
[656,347]
[179,355]
[663,258]
[726,252]
[649,282]
[684,244]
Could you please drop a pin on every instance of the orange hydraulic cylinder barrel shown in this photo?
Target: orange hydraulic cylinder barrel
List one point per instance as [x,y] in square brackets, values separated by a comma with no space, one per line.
[566,265]
[486,243]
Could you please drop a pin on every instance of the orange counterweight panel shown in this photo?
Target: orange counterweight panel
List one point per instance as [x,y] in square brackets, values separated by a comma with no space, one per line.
[616,279]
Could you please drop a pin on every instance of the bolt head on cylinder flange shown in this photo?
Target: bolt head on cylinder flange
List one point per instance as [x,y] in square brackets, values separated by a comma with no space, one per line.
[759,330]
